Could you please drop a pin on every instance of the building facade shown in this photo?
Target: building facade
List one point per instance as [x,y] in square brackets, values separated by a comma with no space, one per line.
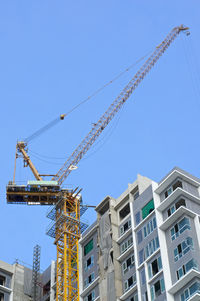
[16,283]
[145,245]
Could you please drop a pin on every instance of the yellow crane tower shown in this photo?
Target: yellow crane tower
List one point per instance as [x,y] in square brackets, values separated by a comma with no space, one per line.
[67,211]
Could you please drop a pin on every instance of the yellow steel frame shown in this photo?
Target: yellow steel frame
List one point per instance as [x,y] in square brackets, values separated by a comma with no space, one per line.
[67,234]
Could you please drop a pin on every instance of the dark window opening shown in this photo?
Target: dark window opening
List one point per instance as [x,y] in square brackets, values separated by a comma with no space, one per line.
[128,262]
[90,297]
[2,280]
[125,226]
[166,194]
[105,208]
[177,184]
[157,288]
[154,265]
[124,211]
[89,262]
[130,281]
[179,249]
[111,255]
[180,203]
[1,297]
[176,228]
[46,288]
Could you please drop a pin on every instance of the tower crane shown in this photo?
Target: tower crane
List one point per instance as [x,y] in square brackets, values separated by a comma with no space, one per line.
[67,210]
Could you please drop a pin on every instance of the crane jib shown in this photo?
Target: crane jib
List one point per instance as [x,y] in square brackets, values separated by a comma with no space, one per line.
[88,141]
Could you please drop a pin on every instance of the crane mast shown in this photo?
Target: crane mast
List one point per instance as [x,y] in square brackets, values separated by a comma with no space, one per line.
[67,226]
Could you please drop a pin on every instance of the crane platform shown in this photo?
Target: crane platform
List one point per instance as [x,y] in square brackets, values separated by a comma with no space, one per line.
[34,193]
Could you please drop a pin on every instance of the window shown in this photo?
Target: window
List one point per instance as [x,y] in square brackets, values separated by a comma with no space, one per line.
[124,211]
[130,282]
[139,236]
[2,280]
[1,297]
[173,187]
[192,264]
[143,276]
[136,195]
[89,263]
[183,248]
[127,244]
[145,297]
[141,256]
[149,227]
[147,209]
[128,264]
[178,204]
[180,228]
[125,227]
[134,298]
[88,280]
[88,247]
[152,246]
[90,297]
[154,267]
[46,288]
[137,218]
[189,292]
[157,289]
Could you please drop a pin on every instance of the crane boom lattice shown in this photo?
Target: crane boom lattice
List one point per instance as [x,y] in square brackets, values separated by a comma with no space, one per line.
[88,141]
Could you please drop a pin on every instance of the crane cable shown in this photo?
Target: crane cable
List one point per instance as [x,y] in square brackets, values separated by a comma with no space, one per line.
[62,116]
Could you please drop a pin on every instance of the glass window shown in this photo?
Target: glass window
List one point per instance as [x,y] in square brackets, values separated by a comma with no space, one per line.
[141,256]
[125,245]
[192,264]
[149,227]
[89,263]
[189,292]
[88,247]
[136,195]
[125,227]
[128,264]
[143,277]
[139,236]
[154,267]
[180,228]
[183,248]
[137,218]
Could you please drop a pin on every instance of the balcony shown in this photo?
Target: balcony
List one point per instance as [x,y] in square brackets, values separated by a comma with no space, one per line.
[125,235]
[90,287]
[129,292]
[172,177]
[174,195]
[184,281]
[175,216]
[125,254]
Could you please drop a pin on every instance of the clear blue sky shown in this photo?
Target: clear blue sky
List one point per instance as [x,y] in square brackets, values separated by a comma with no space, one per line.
[56,53]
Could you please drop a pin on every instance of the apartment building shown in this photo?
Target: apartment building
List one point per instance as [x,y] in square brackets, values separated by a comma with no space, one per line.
[145,245]
[16,283]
